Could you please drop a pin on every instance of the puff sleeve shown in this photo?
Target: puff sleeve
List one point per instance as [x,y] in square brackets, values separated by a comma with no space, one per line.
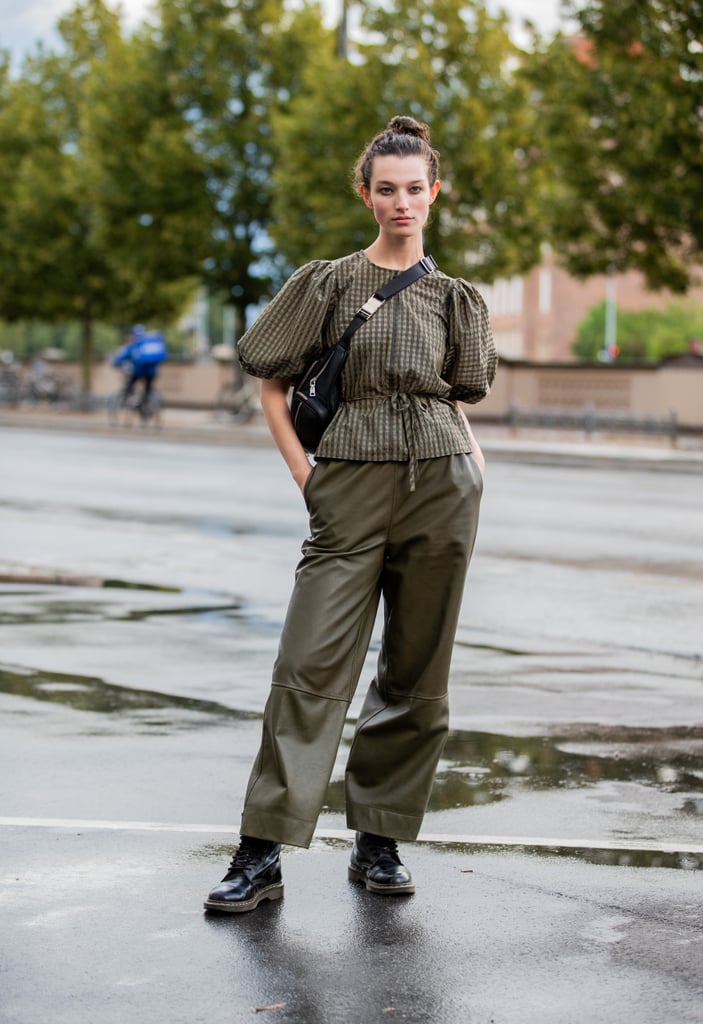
[288,332]
[471,359]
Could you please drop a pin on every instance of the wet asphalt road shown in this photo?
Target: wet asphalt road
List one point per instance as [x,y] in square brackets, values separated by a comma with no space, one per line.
[145,587]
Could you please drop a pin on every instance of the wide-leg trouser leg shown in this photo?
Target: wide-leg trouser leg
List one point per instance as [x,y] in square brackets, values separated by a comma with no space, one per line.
[403,723]
[323,646]
[368,531]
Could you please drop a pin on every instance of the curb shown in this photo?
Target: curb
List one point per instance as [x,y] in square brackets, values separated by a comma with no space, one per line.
[203,428]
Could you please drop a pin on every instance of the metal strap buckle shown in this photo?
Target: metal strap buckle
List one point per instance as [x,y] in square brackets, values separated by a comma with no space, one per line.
[369,308]
[428,263]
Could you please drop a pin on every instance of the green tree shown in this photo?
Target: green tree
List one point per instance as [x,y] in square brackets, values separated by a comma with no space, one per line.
[232,67]
[150,186]
[319,136]
[65,228]
[29,338]
[647,335]
[446,62]
[104,208]
[50,268]
[622,137]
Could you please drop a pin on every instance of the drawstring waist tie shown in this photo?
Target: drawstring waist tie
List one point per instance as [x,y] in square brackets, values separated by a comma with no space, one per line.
[407,405]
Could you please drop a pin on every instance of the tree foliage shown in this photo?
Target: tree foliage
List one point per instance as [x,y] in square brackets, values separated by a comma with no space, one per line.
[647,335]
[150,214]
[622,134]
[445,62]
[232,67]
[49,267]
[214,145]
[68,250]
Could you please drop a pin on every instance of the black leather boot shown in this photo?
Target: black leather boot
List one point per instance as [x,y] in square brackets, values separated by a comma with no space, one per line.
[375,863]
[254,875]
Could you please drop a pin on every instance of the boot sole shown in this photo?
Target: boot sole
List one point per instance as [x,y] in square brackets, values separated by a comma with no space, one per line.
[406,889]
[271,892]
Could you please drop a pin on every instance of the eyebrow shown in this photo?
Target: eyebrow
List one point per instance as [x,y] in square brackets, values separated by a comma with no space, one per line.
[416,181]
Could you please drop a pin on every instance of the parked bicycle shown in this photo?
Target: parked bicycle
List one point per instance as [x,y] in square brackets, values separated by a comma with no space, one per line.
[10,380]
[44,384]
[238,398]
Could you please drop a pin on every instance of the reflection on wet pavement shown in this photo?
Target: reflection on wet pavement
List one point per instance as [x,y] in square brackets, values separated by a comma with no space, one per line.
[481,768]
[629,858]
[58,612]
[55,613]
[72,580]
[53,606]
[83,693]
[477,767]
[480,764]
[620,857]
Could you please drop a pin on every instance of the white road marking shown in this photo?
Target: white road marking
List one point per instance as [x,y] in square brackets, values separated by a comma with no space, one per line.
[443,838]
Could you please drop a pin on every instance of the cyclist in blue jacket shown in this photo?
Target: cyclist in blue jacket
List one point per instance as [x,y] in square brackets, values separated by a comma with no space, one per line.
[141,357]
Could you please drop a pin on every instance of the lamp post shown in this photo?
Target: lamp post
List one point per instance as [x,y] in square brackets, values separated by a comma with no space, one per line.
[610,345]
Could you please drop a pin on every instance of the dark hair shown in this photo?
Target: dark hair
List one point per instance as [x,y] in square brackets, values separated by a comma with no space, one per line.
[403,136]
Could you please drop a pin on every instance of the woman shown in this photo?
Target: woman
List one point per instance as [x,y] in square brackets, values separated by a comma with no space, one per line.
[393,499]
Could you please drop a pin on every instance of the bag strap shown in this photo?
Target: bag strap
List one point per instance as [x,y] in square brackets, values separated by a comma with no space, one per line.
[424,266]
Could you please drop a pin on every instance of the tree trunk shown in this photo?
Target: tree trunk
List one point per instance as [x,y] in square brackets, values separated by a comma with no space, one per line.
[87,361]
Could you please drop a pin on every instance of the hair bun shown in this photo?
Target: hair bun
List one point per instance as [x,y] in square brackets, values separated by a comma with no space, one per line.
[402,136]
[402,125]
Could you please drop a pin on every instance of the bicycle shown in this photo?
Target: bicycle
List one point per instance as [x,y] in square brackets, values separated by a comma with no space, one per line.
[124,409]
[10,384]
[237,398]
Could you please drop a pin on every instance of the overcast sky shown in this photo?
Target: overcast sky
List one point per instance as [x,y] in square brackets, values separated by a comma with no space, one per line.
[24,22]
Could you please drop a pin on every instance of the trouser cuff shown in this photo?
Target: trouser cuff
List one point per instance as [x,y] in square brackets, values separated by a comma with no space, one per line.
[384,823]
[278,829]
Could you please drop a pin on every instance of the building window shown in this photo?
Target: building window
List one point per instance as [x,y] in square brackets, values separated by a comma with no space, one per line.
[504,296]
[509,344]
[545,290]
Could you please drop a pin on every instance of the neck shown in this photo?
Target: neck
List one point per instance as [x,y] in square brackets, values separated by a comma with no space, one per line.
[398,254]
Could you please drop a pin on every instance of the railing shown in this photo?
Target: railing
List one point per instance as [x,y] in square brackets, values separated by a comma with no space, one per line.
[591,420]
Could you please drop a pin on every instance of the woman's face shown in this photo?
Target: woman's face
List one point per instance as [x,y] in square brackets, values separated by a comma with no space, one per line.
[400,194]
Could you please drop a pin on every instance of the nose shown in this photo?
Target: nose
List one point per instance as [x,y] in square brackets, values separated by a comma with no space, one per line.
[401,201]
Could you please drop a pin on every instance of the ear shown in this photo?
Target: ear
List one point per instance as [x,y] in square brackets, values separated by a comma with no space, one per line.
[366,196]
[434,189]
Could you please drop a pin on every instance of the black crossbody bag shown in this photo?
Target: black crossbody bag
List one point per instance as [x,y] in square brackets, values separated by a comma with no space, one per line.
[317,394]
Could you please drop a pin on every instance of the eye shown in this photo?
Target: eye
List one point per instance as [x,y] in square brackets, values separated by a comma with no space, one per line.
[385,190]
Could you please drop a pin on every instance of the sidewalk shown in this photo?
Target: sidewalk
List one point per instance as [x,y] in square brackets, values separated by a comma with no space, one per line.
[525,446]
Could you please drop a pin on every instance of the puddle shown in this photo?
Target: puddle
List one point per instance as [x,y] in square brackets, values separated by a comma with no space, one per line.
[58,608]
[632,858]
[92,694]
[60,579]
[621,857]
[483,768]
[63,612]
[481,765]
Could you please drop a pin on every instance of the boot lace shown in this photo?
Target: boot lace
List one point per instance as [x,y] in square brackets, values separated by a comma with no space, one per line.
[249,852]
[382,845]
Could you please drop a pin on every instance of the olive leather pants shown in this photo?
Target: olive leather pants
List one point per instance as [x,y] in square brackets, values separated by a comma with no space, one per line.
[371,536]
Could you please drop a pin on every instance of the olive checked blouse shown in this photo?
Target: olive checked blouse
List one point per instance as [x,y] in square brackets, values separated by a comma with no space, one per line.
[426,347]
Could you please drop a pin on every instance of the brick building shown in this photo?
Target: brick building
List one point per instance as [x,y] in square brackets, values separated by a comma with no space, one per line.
[536,317]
